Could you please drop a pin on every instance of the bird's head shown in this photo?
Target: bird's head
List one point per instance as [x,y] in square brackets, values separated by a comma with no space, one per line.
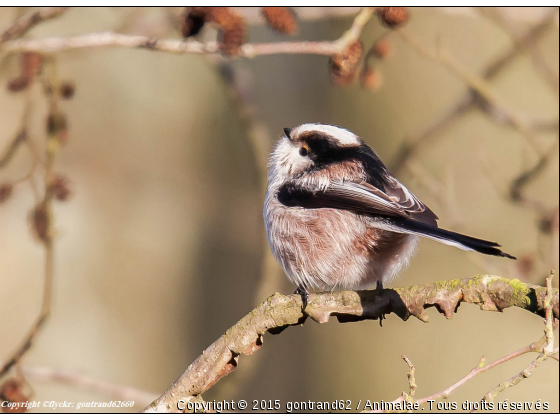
[311,146]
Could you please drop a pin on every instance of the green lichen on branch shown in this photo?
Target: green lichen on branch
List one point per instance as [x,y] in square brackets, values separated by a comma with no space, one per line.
[491,293]
[278,312]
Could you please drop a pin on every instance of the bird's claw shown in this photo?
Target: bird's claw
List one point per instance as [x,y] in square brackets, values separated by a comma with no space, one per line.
[302,291]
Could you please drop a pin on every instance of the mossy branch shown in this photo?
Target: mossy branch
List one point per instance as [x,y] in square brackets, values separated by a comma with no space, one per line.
[491,293]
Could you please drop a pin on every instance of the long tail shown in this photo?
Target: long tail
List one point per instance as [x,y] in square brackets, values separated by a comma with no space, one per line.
[455,239]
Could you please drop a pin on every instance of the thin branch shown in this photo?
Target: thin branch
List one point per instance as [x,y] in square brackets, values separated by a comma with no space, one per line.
[514,380]
[26,345]
[411,379]
[279,312]
[23,24]
[549,318]
[13,147]
[477,371]
[79,380]
[111,39]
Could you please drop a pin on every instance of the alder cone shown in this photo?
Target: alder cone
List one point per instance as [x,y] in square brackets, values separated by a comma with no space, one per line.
[392,16]
[232,36]
[281,19]
[343,66]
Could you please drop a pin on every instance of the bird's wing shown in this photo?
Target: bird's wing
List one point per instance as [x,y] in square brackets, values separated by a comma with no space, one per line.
[360,197]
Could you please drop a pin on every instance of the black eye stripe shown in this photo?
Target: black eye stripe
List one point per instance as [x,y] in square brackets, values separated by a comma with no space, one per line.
[316,139]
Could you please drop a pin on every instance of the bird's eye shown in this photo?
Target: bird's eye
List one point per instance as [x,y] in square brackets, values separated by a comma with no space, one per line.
[303,151]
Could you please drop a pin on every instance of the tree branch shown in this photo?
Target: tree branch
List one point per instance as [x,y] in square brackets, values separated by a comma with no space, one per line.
[79,380]
[491,293]
[544,347]
[112,39]
[28,21]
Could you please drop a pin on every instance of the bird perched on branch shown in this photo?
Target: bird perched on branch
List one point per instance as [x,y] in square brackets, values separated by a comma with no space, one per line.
[337,219]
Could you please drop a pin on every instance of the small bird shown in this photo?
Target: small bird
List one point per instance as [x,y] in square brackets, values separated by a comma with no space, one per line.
[337,219]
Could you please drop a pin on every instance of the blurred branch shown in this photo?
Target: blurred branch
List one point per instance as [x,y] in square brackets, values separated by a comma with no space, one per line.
[42,223]
[521,181]
[544,347]
[278,312]
[79,380]
[413,144]
[29,20]
[111,39]
[240,91]
[12,147]
[481,92]
[528,45]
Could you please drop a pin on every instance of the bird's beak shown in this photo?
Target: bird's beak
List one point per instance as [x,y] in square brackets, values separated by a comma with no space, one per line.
[287,132]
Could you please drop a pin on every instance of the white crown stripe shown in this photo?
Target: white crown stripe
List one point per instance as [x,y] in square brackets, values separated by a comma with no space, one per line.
[341,135]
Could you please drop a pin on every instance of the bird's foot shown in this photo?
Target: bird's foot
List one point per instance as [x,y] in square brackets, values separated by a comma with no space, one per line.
[379,288]
[302,291]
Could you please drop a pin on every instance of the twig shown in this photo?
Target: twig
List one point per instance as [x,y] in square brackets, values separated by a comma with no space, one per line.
[410,375]
[13,147]
[26,345]
[74,379]
[549,318]
[111,39]
[514,380]
[279,312]
[29,20]
[481,368]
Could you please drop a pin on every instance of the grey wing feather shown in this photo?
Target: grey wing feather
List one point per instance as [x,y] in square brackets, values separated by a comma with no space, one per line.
[363,198]
[405,199]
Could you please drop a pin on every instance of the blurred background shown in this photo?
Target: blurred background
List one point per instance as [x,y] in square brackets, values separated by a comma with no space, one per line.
[159,247]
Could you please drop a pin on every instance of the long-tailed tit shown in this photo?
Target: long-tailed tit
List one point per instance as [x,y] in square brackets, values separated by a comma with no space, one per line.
[337,219]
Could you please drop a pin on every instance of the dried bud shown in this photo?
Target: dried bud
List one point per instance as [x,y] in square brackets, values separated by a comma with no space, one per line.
[281,19]
[232,35]
[381,48]
[392,16]
[40,223]
[59,188]
[67,90]
[12,391]
[222,16]
[58,126]
[32,64]
[371,79]
[343,65]
[193,21]
[17,84]
[5,192]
